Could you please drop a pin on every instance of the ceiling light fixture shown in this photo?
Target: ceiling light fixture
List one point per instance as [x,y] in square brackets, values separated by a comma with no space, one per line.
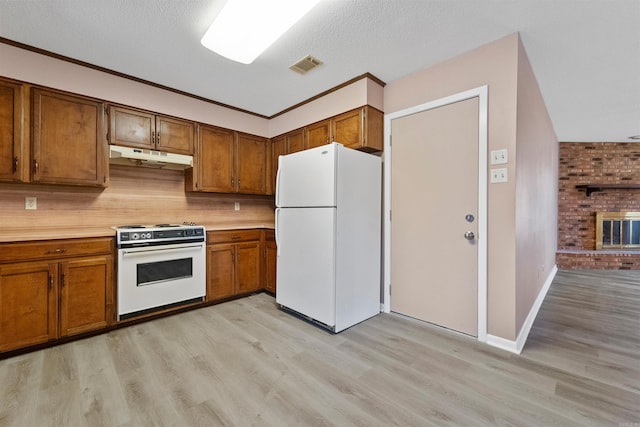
[245,28]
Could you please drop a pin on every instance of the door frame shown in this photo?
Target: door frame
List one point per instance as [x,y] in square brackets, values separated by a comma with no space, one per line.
[482,94]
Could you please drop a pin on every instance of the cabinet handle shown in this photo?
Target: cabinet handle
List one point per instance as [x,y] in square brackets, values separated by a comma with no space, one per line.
[158,139]
[50,281]
[153,137]
[57,251]
[236,237]
[36,167]
[15,164]
[233,257]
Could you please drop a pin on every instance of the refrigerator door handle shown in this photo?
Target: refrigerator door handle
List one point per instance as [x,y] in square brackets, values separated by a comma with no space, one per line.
[278,183]
[276,233]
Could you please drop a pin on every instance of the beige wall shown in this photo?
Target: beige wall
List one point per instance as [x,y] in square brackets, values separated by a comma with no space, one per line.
[536,191]
[357,94]
[39,69]
[496,65]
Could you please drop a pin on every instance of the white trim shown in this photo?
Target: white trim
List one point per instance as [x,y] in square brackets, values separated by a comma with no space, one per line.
[482,94]
[517,345]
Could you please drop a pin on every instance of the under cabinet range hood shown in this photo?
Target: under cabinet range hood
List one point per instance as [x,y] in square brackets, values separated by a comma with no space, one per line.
[149,158]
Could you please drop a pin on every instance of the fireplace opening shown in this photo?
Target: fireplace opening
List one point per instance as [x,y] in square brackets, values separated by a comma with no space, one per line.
[618,230]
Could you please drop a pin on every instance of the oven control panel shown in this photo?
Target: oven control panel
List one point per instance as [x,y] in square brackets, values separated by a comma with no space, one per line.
[160,235]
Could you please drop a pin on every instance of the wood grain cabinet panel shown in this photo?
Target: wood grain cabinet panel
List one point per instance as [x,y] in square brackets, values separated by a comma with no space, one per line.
[12,147]
[251,164]
[234,263]
[68,144]
[230,162]
[248,267]
[214,171]
[291,142]
[64,290]
[86,295]
[143,129]
[317,134]
[220,271]
[28,304]
[295,141]
[270,254]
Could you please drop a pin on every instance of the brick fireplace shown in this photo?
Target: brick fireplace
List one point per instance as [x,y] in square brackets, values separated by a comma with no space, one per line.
[582,167]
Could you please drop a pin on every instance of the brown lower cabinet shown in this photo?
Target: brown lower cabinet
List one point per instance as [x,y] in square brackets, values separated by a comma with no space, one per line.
[233,263]
[270,255]
[54,289]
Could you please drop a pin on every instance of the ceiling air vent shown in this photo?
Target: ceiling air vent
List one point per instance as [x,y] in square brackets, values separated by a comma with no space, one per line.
[305,64]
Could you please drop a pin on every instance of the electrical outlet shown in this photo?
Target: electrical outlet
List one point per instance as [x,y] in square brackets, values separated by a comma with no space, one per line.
[237,206]
[499,175]
[31,203]
[499,157]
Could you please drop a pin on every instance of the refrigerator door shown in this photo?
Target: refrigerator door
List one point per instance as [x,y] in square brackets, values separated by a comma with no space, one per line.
[307,178]
[306,261]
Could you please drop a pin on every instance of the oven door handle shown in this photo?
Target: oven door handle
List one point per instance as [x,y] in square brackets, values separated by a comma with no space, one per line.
[164,249]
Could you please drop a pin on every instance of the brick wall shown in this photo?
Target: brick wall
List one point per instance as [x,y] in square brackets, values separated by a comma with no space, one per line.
[594,163]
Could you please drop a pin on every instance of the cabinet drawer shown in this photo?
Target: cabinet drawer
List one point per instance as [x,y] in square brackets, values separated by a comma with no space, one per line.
[22,251]
[232,236]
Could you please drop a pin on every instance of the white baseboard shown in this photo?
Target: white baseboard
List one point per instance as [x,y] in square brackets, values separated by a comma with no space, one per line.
[517,345]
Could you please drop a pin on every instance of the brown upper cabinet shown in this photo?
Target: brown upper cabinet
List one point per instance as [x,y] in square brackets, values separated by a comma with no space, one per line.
[13,160]
[360,129]
[252,160]
[68,145]
[142,129]
[285,144]
[229,162]
[317,134]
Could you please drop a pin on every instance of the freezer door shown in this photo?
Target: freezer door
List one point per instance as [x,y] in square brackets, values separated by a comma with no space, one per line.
[306,261]
[307,178]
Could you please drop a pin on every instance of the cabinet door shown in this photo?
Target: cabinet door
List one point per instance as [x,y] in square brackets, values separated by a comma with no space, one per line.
[220,271]
[248,267]
[317,134]
[251,164]
[295,141]
[174,135]
[68,141]
[12,153]
[28,304]
[347,128]
[131,128]
[216,160]
[86,295]
[270,258]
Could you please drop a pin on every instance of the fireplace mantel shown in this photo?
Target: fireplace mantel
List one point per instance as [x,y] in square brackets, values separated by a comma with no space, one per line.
[591,188]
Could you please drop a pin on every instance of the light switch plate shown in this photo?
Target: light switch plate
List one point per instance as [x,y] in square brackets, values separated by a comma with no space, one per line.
[499,157]
[499,175]
[236,206]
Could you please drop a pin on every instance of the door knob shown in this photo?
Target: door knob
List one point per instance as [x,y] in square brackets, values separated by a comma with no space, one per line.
[469,235]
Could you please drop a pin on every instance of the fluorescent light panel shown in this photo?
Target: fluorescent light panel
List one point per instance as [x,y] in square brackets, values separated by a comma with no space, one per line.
[245,28]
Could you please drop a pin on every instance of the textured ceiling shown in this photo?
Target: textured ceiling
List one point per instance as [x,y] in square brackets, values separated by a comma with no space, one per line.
[585,53]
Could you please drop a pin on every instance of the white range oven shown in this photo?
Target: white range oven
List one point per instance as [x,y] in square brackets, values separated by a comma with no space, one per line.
[159,266]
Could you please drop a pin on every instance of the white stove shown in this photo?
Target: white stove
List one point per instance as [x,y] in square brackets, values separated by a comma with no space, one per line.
[159,266]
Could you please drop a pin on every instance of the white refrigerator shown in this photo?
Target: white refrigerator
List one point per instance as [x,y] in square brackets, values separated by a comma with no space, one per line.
[328,231]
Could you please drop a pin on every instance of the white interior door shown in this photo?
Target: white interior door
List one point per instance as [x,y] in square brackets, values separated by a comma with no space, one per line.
[435,210]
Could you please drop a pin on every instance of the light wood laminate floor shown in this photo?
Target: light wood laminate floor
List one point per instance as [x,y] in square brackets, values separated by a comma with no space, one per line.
[247,363]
